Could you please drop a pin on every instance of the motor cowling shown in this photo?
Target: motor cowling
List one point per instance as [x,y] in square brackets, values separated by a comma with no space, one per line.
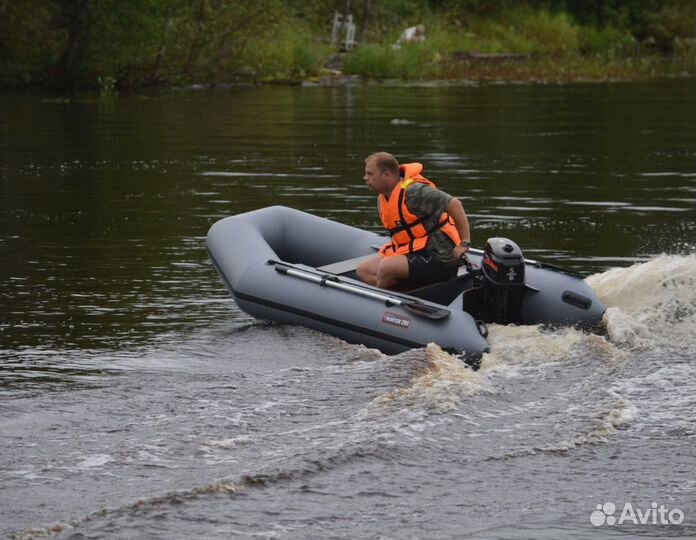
[503,263]
[499,289]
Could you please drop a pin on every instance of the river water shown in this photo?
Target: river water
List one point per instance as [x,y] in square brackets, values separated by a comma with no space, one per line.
[137,400]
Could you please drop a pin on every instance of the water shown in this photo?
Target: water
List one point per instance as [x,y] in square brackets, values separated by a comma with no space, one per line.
[139,401]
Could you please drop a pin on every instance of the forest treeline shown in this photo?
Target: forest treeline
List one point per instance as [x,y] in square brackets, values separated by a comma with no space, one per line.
[70,45]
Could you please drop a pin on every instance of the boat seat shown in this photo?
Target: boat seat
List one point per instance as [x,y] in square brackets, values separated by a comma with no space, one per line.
[343,267]
[443,292]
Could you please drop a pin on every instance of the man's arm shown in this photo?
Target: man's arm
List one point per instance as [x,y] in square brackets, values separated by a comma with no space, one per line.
[424,200]
[456,211]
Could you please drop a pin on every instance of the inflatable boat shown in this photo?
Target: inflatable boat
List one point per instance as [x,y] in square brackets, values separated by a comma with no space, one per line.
[288,266]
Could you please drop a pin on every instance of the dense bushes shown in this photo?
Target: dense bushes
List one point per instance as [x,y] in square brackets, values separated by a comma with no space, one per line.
[555,44]
[75,43]
[111,44]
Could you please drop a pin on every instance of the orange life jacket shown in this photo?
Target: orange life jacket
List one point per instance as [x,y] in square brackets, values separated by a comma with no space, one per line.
[408,234]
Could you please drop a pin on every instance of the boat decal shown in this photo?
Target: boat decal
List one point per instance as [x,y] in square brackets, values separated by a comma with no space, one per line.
[327,320]
[396,320]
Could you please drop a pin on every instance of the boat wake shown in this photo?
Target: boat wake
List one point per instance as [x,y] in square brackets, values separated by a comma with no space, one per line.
[441,385]
[649,306]
[650,303]
[588,380]
[141,505]
[539,391]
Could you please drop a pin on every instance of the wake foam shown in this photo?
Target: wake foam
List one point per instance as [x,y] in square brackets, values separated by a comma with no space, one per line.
[441,385]
[609,417]
[648,303]
[535,345]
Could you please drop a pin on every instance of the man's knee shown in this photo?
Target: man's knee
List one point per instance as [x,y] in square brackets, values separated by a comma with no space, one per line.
[391,271]
[362,271]
[367,270]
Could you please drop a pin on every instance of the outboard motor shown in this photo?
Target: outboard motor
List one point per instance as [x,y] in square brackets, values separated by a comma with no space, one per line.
[498,294]
[503,263]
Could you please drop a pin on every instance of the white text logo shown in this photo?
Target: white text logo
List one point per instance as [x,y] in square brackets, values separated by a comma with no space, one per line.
[605,514]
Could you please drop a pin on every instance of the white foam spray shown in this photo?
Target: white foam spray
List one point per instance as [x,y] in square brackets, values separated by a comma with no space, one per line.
[442,384]
[650,303]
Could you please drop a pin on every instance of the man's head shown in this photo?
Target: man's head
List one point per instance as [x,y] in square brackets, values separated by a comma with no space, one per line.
[381,172]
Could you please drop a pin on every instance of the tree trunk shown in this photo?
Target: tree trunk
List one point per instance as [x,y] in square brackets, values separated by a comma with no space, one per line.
[365,19]
[75,18]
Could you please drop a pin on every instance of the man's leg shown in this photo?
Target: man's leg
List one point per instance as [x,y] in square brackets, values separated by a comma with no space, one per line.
[367,270]
[391,271]
[383,272]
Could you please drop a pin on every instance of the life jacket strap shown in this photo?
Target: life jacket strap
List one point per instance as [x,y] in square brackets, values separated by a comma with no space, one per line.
[438,225]
[407,226]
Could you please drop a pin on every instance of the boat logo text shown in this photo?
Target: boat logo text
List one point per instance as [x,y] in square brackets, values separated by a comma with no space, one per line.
[396,320]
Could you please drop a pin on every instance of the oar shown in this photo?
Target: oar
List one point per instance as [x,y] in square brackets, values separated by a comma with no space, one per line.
[328,280]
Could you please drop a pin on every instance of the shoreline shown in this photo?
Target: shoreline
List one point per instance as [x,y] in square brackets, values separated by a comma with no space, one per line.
[519,72]
[478,69]
[473,68]
[530,71]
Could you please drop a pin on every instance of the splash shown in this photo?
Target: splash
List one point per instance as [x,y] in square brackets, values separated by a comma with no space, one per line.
[649,303]
[529,345]
[442,384]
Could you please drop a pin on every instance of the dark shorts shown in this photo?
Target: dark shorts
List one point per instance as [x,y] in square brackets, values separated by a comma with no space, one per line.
[424,268]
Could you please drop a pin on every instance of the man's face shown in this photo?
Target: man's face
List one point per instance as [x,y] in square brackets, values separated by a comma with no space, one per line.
[376,180]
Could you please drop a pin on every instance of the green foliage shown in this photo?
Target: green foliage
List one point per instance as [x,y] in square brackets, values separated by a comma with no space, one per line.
[21,57]
[606,41]
[289,55]
[522,30]
[123,38]
[135,42]
[660,24]
[550,32]
[397,12]
[477,8]
[673,26]
[414,61]
[81,40]
[107,45]
[373,62]
[207,39]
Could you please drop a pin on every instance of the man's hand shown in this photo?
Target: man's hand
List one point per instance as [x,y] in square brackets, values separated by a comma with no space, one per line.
[459,251]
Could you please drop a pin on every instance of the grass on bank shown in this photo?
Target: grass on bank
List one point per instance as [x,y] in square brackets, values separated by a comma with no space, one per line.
[541,46]
[290,55]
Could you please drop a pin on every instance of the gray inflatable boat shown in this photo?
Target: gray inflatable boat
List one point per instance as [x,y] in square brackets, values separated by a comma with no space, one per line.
[292,267]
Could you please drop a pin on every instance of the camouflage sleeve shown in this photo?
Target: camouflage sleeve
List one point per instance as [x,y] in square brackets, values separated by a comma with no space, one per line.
[423,200]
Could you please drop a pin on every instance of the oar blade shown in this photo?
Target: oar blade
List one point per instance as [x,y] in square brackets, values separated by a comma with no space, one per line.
[424,310]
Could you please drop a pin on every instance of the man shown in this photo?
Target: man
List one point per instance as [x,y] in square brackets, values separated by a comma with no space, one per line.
[429,228]
[412,34]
